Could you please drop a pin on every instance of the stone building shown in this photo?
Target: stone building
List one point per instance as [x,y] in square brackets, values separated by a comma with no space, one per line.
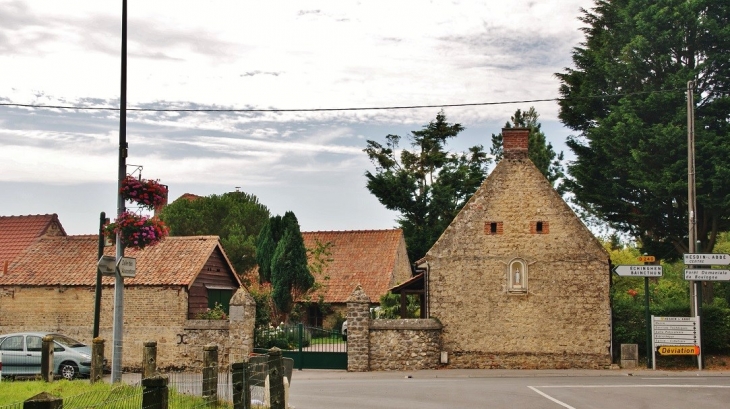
[517,280]
[50,286]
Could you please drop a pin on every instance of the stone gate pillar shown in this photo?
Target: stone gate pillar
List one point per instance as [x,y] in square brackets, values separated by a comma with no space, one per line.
[358,331]
[241,322]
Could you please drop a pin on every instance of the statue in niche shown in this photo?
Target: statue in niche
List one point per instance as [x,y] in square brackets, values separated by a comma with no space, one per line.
[518,276]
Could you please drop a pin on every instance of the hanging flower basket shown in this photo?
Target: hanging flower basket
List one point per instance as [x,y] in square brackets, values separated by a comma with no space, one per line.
[137,231]
[147,193]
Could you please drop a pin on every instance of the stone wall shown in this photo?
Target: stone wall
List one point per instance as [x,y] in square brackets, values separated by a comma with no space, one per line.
[389,345]
[408,344]
[150,314]
[560,318]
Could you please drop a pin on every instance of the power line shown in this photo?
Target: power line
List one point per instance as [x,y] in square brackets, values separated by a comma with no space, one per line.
[396,107]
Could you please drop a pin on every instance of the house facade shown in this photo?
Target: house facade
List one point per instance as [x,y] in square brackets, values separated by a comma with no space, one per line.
[50,286]
[374,259]
[517,280]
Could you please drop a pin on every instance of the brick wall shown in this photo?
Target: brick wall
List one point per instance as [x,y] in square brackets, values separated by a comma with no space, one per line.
[562,320]
[150,314]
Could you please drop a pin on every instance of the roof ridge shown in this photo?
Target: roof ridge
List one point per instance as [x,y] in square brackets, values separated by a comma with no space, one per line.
[51,215]
[354,231]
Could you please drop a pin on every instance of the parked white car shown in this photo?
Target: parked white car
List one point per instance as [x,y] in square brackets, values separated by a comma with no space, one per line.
[21,355]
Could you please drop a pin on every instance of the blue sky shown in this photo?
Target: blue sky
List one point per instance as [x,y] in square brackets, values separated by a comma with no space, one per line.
[261,55]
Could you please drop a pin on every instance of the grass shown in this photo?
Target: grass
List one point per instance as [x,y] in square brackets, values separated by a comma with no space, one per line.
[326,340]
[81,393]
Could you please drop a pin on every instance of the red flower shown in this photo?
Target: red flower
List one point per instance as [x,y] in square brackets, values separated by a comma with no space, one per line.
[137,231]
[146,193]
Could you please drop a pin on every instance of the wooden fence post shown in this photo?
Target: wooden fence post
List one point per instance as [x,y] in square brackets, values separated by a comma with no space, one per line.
[47,359]
[210,373]
[149,359]
[97,360]
[276,379]
[43,400]
[155,394]
[241,385]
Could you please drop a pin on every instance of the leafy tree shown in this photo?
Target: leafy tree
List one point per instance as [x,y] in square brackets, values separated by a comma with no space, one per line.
[287,268]
[236,217]
[540,151]
[626,98]
[427,186]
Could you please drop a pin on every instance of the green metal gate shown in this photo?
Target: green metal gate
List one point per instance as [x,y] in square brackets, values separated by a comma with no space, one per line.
[309,347]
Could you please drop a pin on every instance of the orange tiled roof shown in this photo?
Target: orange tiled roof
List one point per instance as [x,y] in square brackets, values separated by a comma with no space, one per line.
[18,232]
[71,260]
[365,257]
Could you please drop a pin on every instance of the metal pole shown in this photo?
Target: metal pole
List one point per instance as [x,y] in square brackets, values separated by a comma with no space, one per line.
[97,297]
[118,332]
[648,323]
[691,199]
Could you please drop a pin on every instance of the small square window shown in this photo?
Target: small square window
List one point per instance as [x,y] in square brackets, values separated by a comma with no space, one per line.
[493,228]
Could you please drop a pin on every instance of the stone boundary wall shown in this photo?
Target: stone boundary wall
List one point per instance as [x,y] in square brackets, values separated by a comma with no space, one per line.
[150,314]
[389,345]
[407,344]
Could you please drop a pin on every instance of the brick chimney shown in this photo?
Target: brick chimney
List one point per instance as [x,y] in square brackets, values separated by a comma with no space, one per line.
[514,142]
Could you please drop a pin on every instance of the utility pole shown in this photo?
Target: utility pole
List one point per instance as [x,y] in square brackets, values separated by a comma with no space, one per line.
[691,198]
[118,332]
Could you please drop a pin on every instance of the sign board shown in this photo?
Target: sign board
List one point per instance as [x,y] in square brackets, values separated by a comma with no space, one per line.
[647,259]
[704,274]
[127,266]
[707,259]
[638,271]
[679,350]
[107,265]
[675,336]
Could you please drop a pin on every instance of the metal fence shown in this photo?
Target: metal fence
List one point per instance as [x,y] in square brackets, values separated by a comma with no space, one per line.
[202,386]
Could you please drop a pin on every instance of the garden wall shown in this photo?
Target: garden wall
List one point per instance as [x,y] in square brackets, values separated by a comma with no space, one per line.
[389,345]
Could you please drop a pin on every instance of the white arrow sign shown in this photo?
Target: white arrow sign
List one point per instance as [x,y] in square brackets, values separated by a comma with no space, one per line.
[107,265]
[703,274]
[127,266]
[707,259]
[639,271]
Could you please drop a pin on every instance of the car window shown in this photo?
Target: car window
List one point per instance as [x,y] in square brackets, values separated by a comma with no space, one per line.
[66,341]
[14,343]
[33,343]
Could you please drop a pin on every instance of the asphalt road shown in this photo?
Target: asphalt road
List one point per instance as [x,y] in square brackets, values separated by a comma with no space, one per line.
[510,389]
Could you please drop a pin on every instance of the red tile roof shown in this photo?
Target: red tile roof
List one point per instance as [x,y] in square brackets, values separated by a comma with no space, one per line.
[18,232]
[365,257]
[71,260]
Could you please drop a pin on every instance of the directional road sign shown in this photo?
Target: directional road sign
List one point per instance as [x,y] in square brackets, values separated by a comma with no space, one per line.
[707,259]
[679,350]
[638,271]
[704,274]
[127,266]
[107,265]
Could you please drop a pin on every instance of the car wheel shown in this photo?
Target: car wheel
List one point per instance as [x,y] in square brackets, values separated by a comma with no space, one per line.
[68,370]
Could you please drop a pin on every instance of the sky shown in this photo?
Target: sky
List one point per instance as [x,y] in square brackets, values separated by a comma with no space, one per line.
[266,55]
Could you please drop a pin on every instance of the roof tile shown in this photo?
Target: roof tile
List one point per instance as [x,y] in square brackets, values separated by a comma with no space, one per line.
[71,260]
[365,257]
[18,232]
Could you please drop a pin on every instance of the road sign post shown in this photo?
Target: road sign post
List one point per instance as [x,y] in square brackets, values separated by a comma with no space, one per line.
[638,271]
[127,266]
[676,336]
[107,265]
[691,259]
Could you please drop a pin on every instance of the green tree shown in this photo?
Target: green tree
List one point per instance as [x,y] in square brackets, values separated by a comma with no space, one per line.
[287,267]
[540,151]
[626,98]
[427,186]
[236,217]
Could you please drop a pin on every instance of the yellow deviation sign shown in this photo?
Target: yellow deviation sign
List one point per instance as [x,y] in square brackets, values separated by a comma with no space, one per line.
[679,350]
[647,259]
